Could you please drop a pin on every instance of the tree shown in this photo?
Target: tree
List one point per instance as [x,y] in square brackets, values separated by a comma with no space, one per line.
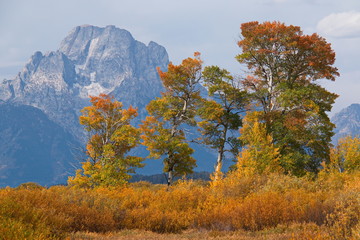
[285,65]
[346,155]
[259,155]
[221,115]
[164,130]
[111,138]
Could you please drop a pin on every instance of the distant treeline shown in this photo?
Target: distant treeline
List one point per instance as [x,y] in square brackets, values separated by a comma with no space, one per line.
[162,179]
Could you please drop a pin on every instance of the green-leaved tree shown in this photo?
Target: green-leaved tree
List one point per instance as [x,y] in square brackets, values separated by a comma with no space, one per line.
[220,114]
[164,130]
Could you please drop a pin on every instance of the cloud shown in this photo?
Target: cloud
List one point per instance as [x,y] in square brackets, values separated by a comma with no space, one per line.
[340,25]
[348,91]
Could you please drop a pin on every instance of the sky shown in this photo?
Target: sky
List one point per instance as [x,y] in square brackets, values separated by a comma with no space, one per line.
[211,27]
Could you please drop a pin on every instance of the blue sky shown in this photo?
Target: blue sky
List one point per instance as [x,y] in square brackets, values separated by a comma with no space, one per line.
[182,27]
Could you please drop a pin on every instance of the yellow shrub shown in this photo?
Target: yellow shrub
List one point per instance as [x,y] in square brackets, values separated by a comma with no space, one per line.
[345,218]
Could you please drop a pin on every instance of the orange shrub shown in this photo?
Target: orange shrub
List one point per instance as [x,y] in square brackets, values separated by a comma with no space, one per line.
[57,211]
[244,203]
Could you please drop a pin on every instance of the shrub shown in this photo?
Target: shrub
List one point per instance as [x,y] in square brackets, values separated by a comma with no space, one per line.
[252,203]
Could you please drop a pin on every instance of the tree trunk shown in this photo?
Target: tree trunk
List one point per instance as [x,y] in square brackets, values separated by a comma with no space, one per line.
[219,162]
[169,178]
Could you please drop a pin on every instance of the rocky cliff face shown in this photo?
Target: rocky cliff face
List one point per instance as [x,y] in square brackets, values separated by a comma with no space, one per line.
[91,60]
[347,122]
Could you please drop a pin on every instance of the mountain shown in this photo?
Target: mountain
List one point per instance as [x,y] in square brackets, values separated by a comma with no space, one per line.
[347,122]
[33,148]
[91,60]
[56,85]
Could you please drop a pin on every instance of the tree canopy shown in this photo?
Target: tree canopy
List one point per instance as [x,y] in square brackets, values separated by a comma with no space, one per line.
[284,66]
[286,126]
[221,114]
[164,130]
[111,137]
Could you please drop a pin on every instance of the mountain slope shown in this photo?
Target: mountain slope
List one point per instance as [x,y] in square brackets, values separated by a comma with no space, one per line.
[33,148]
[347,122]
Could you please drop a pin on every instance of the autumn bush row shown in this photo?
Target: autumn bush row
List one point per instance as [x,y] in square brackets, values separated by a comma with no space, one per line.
[250,203]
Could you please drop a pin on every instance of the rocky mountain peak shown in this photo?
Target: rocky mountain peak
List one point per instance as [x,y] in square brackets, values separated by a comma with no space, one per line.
[86,42]
[75,44]
[107,56]
[90,60]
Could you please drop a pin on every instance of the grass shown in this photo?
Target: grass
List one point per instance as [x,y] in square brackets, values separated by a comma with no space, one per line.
[295,232]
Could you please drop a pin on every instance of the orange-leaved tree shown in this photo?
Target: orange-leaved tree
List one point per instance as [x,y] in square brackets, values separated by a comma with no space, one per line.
[164,130]
[284,68]
[111,137]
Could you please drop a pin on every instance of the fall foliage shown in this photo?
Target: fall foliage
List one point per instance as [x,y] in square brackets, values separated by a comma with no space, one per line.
[346,155]
[254,205]
[221,115]
[259,155]
[111,138]
[164,130]
[285,65]
[288,181]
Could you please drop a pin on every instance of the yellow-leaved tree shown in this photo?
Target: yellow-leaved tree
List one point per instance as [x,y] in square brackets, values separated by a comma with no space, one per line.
[111,137]
[346,155]
[259,155]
